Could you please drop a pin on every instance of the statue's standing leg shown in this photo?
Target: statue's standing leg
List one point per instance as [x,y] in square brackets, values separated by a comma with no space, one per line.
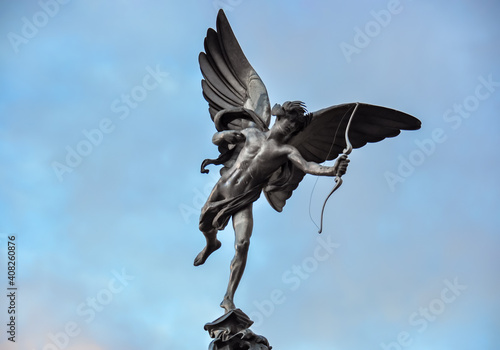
[243,225]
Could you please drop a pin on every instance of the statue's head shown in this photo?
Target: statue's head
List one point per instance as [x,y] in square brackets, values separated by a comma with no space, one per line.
[294,113]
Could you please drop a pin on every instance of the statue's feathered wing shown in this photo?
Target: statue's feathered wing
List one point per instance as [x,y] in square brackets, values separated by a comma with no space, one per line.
[234,91]
[324,139]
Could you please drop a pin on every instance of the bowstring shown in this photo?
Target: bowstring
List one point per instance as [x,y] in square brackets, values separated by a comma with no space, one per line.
[328,155]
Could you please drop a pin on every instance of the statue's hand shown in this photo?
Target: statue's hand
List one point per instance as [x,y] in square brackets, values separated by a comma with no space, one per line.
[234,137]
[341,164]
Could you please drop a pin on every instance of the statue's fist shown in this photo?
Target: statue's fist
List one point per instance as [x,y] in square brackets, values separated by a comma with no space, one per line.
[341,165]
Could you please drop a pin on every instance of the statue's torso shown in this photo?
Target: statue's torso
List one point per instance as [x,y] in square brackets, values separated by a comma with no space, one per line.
[259,158]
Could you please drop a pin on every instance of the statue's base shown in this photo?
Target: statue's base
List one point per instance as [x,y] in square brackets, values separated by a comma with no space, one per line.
[231,332]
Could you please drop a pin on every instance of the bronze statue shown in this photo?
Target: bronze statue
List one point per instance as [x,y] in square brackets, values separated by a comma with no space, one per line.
[274,160]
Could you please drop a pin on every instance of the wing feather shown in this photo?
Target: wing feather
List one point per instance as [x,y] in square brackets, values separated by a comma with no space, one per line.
[231,49]
[313,152]
[229,79]
[214,51]
[216,82]
[214,97]
[212,111]
[308,153]
[278,198]
[369,127]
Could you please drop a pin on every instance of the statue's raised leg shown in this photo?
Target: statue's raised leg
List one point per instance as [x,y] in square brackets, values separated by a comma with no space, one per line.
[212,245]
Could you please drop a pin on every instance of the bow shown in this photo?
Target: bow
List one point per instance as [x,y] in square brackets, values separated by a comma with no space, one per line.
[338,178]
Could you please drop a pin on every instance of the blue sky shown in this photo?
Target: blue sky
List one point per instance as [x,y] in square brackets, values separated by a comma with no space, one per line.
[103,128]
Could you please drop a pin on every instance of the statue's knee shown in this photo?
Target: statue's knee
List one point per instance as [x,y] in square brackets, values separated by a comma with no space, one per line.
[202,227]
[207,230]
[242,245]
[205,226]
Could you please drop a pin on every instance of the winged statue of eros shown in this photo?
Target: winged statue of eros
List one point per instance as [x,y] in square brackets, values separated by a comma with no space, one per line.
[258,158]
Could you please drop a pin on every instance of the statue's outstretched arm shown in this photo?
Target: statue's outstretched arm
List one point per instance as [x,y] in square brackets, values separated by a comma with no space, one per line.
[313,168]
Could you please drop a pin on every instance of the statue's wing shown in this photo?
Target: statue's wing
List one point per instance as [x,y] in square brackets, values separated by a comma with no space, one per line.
[230,81]
[324,138]
[236,95]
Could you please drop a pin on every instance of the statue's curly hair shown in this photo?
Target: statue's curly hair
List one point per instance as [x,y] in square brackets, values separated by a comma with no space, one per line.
[296,110]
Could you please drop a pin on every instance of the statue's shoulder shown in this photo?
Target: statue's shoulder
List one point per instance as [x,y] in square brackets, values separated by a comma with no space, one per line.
[254,131]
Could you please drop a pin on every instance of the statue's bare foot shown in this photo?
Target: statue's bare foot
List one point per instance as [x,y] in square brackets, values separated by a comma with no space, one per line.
[205,253]
[227,305]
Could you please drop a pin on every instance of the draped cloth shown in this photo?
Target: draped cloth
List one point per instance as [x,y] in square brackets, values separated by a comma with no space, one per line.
[216,214]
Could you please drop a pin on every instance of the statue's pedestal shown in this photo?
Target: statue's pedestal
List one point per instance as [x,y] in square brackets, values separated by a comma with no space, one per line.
[231,332]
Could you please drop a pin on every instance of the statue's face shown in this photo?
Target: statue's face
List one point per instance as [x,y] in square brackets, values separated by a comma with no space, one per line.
[285,125]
